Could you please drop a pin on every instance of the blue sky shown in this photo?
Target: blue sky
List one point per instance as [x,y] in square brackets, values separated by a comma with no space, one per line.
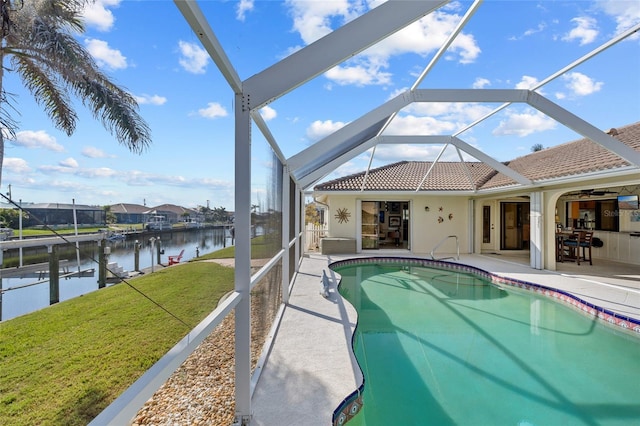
[148,48]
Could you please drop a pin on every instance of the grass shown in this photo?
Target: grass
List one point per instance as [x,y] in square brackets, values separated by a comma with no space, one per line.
[66,363]
[261,248]
[40,232]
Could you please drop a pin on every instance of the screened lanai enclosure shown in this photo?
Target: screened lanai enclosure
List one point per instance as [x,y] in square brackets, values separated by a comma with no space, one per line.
[265,267]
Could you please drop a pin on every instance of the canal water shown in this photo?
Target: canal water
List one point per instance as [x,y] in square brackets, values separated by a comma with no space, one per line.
[19,297]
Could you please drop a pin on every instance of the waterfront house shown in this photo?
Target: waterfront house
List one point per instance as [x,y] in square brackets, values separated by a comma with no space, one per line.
[415,205]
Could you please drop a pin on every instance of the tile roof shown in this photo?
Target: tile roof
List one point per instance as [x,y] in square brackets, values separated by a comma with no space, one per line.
[128,208]
[569,159]
[407,175]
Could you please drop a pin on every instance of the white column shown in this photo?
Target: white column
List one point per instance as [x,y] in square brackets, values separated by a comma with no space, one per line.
[299,212]
[471,231]
[243,258]
[536,226]
[286,227]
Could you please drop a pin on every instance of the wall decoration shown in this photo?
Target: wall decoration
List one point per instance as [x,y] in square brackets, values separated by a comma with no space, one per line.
[343,215]
[440,219]
[450,216]
[394,221]
[395,207]
[440,208]
[381,219]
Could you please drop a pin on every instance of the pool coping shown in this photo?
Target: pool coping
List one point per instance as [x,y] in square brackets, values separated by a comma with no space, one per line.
[352,403]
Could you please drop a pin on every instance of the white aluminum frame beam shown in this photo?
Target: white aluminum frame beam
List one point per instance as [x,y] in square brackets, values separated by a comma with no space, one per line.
[266,132]
[335,141]
[492,162]
[199,24]
[586,129]
[441,51]
[312,163]
[334,48]
[558,73]
[242,275]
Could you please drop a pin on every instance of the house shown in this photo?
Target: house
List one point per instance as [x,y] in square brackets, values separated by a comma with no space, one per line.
[129,213]
[172,213]
[136,213]
[52,214]
[420,206]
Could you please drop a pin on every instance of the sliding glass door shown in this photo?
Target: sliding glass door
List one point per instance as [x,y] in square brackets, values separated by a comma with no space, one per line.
[370,224]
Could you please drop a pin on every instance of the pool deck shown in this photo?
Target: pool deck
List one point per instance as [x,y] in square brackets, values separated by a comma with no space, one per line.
[311,369]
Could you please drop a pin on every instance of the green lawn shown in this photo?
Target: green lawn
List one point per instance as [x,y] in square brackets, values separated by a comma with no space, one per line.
[260,248]
[64,364]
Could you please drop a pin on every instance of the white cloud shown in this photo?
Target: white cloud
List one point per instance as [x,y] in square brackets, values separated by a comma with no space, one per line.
[320,129]
[69,162]
[585,31]
[96,14]
[101,172]
[213,110]
[104,55]
[426,36]
[524,124]
[415,125]
[541,27]
[625,13]
[457,114]
[15,165]
[314,19]
[580,84]
[244,6]
[527,82]
[359,75]
[194,58]
[349,168]
[37,139]
[145,99]
[481,83]
[268,113]
[93,152]
[394,153]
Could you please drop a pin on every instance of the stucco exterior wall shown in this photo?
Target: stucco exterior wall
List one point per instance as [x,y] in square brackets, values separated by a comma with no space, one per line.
[344,229]
[447,215]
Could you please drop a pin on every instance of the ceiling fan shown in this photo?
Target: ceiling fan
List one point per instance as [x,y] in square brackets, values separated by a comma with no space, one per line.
[586,193]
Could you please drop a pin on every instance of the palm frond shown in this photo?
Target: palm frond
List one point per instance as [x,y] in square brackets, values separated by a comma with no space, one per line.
[61,51]
[54,64]
[47,93]
[117,110]
[8,124]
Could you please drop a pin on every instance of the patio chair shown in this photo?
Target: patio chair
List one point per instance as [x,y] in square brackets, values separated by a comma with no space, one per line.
[582,240]
[587,243]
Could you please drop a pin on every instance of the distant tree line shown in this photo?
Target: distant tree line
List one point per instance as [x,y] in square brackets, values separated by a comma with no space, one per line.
[215,215]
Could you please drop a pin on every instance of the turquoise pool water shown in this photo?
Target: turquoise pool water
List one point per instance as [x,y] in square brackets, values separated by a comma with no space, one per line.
[439,347]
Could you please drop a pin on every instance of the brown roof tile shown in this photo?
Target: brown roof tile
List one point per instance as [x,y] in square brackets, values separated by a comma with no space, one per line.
[407,175]
[572,158]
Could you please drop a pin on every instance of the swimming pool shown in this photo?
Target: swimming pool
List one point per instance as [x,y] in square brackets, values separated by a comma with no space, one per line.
[443,347]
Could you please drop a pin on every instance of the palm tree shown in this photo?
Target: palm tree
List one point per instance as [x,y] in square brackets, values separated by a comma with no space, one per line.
[37,36]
